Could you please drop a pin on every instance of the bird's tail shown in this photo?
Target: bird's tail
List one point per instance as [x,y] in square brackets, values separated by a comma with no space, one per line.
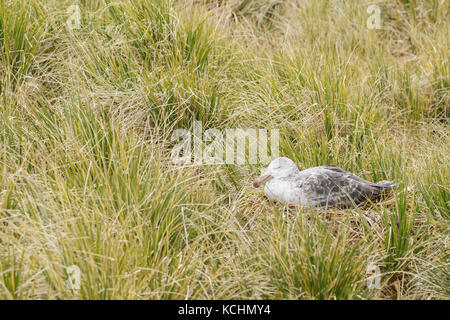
[386,185]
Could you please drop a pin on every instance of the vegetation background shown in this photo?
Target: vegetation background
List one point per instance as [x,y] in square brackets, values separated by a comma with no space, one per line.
[86,178]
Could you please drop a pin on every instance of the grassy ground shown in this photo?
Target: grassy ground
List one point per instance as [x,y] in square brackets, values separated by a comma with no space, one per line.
[86,177]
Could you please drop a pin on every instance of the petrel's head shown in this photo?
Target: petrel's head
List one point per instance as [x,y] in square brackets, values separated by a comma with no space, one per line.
[278,168]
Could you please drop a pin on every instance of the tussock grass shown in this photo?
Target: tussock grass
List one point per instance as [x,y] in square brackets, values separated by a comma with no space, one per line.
[86,177]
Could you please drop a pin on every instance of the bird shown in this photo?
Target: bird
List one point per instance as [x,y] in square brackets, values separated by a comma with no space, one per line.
[325,186]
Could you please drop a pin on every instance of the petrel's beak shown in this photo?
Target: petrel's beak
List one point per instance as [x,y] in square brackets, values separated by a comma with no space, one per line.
[261,180]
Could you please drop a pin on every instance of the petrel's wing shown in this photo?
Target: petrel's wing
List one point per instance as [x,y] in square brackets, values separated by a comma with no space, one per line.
[331,186]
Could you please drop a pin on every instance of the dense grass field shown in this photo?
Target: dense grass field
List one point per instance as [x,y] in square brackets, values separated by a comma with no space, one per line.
[87,113]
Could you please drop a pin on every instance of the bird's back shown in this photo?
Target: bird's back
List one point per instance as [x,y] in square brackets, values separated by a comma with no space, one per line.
[331,186]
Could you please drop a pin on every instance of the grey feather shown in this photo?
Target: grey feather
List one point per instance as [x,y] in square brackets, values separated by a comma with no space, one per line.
[324,186]
[331,186]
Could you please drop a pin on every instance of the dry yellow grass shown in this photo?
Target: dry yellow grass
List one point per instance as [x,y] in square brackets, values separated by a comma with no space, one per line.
[86,177]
